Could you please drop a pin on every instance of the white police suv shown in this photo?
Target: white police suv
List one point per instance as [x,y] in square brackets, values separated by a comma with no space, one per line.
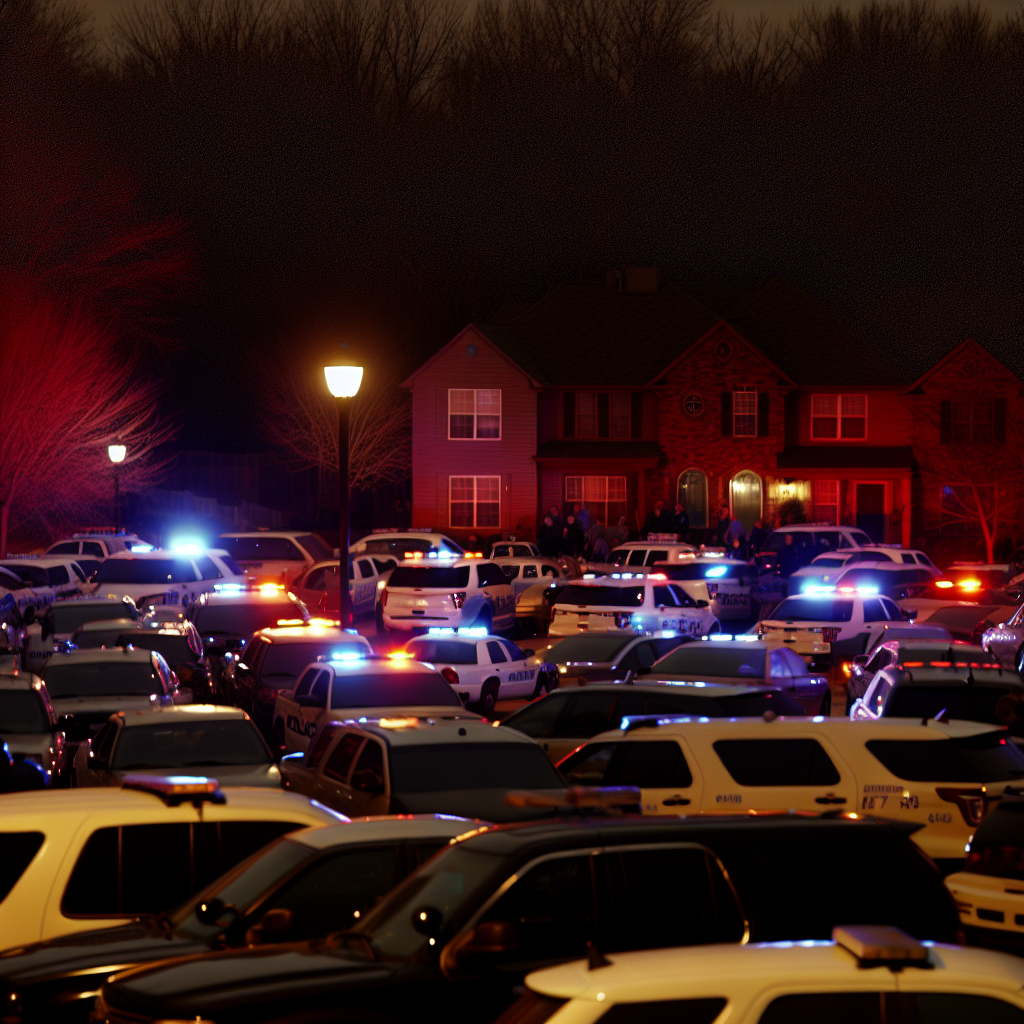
[435,591]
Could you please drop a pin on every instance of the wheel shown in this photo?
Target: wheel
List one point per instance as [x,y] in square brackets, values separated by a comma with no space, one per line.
[826,704]
[279,744]
[550,682]
[488,697]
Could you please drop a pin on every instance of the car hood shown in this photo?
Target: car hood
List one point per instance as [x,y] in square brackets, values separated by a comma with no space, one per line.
[101,951]
[201,985]
[108,702]
[225,774]
[487,804]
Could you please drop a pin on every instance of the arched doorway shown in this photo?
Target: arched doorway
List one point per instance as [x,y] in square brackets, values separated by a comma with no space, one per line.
[692,492]
[745,498]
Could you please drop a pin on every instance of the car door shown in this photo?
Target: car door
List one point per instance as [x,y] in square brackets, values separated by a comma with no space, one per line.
[780,672]
[312,704]
[311,586]
[368,782]
[333,774]
[365,579]
[499,665]
[660,769]
[290,710]
[498,591]
[806,687]
[522,677]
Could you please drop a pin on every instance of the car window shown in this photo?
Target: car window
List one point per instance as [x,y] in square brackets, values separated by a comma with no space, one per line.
[683,599]
[587,767]
[368,774]
[665,596]
[464,766]
[649,764]
[313,544]
[104,741]
[320,744]
[529,572]
[58,575]
[873,610]
[100,678]
[834,1007]
[511,571]
[907,558]
[813,609]
[828,539]
[16,852]
[589,715]
[158,571]
[337,889]
[302,687]
[69,547]
[340,761]
[796,664]
[22,712]
[538,719]
[77,570]
[384,564]
[207,568]
[602,596]
[189,745]
[636,557]
[365,568]
[700,660]
[429,576]
[645,655]
[777,762]
[418,685]
[490,575]
[777,666]
[892,610]
[985,758]
[655,556]
[320,688]
[514,653]
[693,1011]
[442,652]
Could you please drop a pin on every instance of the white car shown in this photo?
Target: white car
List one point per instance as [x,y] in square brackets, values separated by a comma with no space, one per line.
[275,556]
[317,586]
[163,576]
[50,578]
[724,582]
[850,624]
[480,667]
[811,539]
[905,556]
[525,571]
[1006,641]
[825,569]
[426,592]
[97,858]
[783,983]
[406,544]
[638,553]
[96,545]
[514,549]
[630,603]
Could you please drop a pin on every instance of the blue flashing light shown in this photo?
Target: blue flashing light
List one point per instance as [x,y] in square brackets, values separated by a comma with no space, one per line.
[471,631]
[347,656]
[818,718]
[817,590]
[297,756]
[704,718]
[867,590]
[228,588]
[142,548]
[440,631]
[186,546]
[431,554]
[328,810]
[715,571]
[354,632]
[719,636]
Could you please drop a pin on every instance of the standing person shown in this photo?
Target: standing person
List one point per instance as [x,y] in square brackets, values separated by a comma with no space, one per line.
[601,548]
[758,535]
[657,521]
[789,558]
[558,526]
[573,536]
[548,541]
[682,521]
[735,535]
[619,533]
[583,517]
[723,525]
[736,551]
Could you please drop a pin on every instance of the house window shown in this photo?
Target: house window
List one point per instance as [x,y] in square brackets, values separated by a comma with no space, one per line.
[586,414]
[475,501]
[825,501]
[974,421]
[474,414]
[744,413]
[619,414]
[839,417]
[605,496]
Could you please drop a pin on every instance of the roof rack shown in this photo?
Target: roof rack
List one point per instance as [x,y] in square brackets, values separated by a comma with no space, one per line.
[881,945]
[177,789]
[577,797]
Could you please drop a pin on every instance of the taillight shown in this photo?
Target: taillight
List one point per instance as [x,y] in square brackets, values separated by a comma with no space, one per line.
[450,675]
[384,599]
[990,859]
[973,803]
[458,599]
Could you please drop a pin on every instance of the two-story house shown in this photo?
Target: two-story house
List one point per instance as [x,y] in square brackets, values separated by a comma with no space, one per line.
[618,395]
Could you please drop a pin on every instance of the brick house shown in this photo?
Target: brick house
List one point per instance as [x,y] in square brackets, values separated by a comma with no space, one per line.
[623,394]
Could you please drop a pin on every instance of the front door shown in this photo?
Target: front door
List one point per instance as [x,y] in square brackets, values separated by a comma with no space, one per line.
[745,490]
[871,510]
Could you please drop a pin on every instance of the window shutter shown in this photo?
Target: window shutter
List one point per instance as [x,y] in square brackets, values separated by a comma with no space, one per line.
[569,414]
[636,414]
[441,412]
[999,420]
[726,414]
[945,421]
[792,409]
[603,427]
[763,398]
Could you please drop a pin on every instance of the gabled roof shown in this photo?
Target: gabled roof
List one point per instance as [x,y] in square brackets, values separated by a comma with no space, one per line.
[506,346]
[959,350]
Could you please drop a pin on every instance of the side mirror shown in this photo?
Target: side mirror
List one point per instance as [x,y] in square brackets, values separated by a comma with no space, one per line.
[701,603]
[211,911]
[427,921]
[489,938]
[275,926]
[909,614]
[860,660]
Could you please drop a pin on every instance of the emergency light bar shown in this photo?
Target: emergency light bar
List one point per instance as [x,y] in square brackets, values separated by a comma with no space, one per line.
[177,789]
[715,571]
[228,588]
[461,631]
[347,656]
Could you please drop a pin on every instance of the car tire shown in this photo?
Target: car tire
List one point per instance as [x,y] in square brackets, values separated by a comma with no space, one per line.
[826,705]
[550,682]
[488,697]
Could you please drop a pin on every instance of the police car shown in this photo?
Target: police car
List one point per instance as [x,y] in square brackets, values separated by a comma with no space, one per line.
[480,667]
[785,982]
[97,544]
[659,547]
[989,891]
[456,592]
[842,624]
[406,544]
[631,602]
[274,556]
[318,585]
[514,549]
[172,576]
[96,858]
[50,633]
[727,584]
[1006,641]
[48,578]
[28,723]
[939,775]
[524,572]
[810,539]
[354,684]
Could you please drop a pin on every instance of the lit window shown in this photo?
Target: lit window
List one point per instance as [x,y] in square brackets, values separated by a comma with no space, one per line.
[475,501]
[604,496]
[474,414]
[839,417]
[744,413]
[826,501]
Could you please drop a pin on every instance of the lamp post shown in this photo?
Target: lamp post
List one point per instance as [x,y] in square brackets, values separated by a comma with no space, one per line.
[116,453]
[343,382]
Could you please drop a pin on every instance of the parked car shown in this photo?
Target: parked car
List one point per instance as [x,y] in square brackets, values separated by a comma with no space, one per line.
[99,545]
[924,638]
[274,556]
[160,577]
[1005,641]
[603,657]
[28,722]
[810,539]
[317,586]
[727,584]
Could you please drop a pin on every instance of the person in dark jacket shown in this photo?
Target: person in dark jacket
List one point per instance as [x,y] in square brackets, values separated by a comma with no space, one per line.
[549,539]
[573,537]
[658,521]
[789,557]
[758,535]
[723,525]
[682,521]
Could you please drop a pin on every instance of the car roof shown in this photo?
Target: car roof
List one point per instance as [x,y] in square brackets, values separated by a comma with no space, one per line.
[980,678]
[465,638]
[888,565]
[375,664]
[75,601]
[810,965]
[291,534]
[231,598]
[711,691]
[204,712]
[103,654]
[619,580]
[525,559]
[384,829]
[44,561]
[728,645]
[24,680]
[107,626]
[440,563]
[157,554]
[296,634]
[430,731]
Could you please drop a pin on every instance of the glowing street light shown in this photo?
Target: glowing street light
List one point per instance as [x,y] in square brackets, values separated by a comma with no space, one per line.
[116,454]
[343,382]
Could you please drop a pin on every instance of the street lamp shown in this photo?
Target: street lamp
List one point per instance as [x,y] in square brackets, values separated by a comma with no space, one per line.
[343,382]
[116,453]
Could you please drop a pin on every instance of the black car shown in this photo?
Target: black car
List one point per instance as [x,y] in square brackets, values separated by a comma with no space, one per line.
[226,619]
[458,936]
[299,886]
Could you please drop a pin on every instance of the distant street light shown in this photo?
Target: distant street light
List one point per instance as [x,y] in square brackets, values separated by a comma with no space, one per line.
[117,452]
[343,382]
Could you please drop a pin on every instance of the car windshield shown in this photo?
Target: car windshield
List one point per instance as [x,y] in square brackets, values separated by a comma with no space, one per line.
[990,757]
[30,575]
[157,571]
[291,659]
[585,648]
[22,712]
[69,616]
[601,596]
[173,646]
[90,638]
[189,745]
[100,678]
[243,885]
[315,546]
[994,704]
[244,619]
[453,883]
[444,652]
[813,609]
[263,549]
[828,562]
[700,660]
[429,576]
[355,689]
